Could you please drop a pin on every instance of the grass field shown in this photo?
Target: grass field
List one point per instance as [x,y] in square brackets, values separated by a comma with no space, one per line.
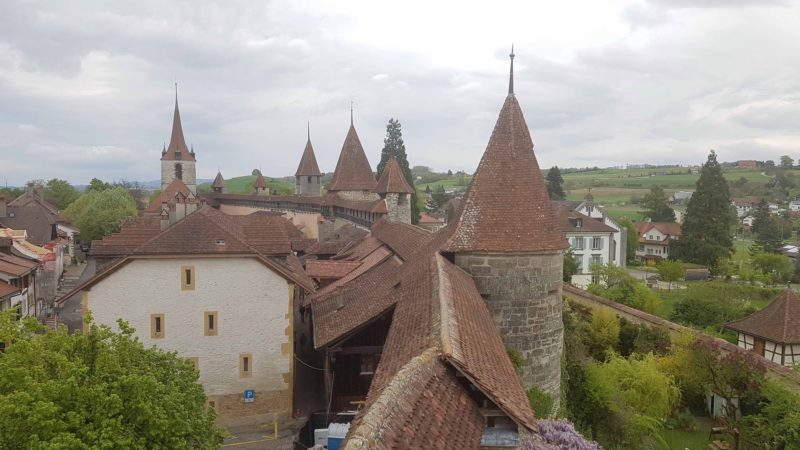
[244,185]
[453,182]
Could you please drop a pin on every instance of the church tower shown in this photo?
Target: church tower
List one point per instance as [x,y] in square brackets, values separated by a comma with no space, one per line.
[508,238]
[308,178]
[177,161]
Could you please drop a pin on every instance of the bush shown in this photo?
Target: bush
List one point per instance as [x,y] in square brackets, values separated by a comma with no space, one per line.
[642,339]
[715,303]
[541,402]
[602,335]
[516,359]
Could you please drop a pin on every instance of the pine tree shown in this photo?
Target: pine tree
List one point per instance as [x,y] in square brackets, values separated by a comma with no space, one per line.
[555,184]
[765,229]
[706,235]
[656,207]
[393,146]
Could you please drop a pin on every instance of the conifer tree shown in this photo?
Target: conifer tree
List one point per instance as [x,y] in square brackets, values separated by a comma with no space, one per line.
[765,229]
[393,146]
[656,207]
[555,184]
[706,235]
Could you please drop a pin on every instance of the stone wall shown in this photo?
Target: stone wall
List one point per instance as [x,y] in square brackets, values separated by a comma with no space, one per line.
[308,189]
[523,294]
[399,206]
[189,176]
[360,196]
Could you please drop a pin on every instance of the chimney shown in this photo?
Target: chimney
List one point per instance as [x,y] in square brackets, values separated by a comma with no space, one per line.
[3,207]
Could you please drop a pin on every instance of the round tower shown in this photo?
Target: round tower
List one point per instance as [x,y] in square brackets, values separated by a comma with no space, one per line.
[308,178]
[508,238]
[396,192]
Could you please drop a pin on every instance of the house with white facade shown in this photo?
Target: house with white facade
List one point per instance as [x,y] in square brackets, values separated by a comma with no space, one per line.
[773,332]
[617,244]
[794,205]
[591,242]
[743,206]
[654,240]
[221,291]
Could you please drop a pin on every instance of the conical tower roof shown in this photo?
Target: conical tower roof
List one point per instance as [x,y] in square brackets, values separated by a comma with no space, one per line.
[177,150]
[779,322]
[308,163]
[353,172]
[392,179]
[506,207]
[219,182]
[260,182]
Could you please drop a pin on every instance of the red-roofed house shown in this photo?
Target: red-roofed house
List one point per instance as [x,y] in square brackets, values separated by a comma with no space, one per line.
[654,240]
[773,332]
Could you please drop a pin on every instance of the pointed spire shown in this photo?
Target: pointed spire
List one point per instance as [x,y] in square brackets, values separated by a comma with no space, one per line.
[511,73]
[351,113]
[506,207]
[219,183]
[353,170]
[308,162]
[308,130]
[392,179]
[177,149]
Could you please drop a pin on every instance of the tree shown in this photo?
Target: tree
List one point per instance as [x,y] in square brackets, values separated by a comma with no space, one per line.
[60,192]
[633,397]
[656,207]
[602,334]
[97,185]
[255,172]
[777,423]
[632,239]
[100,213]
[779,268]
[570,266]
[706,230]
[787,162]
[671,271]
[138,192]
[616,284]
[765,229]
[555,184]
[100,389]
[769,164]
[393,146]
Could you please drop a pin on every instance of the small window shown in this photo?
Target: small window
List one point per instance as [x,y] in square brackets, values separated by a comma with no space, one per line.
[156,326]
[597,243]
[211,323]
[368,364]
[309,180]
[578,223]
[187,278]
[579,243]
[245,365]
[220,241]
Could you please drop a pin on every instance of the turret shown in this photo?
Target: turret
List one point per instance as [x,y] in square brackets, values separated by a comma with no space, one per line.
[177,161]
[261,187]
[396,192]
[353,178]
[218,185]
[508,237]
[308,178]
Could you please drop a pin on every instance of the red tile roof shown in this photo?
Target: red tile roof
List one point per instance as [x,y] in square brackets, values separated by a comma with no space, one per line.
[219,182]
[429,219]
[261,182]
[135,232]
[14,269]
[404,239]
[392,179]
[507,207]
[330,269]
[671,229]
[353,171]
[568,218]
[308,162]
[7,290]
[177,150]
[168,196]
[24,262]
[779,322]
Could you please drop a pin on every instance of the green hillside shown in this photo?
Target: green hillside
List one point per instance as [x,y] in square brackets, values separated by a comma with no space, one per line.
[244,185]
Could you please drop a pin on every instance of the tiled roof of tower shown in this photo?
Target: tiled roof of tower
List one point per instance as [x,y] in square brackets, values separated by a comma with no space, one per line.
[168,196]
[779,322]
[308,162]
[506,207]
[392,179]
[353,172]
[219,182]
[261,182]
[177,150]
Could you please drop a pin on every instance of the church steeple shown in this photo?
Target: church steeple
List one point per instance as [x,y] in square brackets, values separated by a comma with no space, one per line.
[177,160]
[177,149]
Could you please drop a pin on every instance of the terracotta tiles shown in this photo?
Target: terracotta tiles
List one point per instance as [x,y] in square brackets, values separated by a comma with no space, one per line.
[308,162]
[353,171]
[6,290]
[168,196]
[177,149]
[392,179]
[506,207]
[330,269]
[779,322]
[404,239]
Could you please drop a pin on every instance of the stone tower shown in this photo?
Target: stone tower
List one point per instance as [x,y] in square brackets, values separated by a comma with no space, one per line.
[353,178]
[177,161]
[261,187]
[507,237]
[394,189]
[218,185]
[308,178]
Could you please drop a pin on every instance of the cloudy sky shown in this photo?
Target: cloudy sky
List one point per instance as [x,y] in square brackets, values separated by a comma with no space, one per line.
[87,87]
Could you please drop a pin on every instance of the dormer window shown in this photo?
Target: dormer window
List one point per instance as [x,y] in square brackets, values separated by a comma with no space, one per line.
[578,223]
[220,241]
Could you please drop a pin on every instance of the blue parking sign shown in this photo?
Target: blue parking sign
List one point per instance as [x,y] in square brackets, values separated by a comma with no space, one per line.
[249,395]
